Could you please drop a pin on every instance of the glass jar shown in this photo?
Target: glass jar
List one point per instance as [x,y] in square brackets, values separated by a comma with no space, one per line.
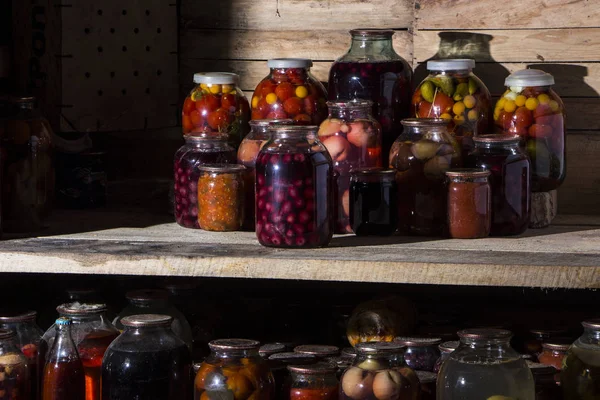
[290,91]
[421,157]
[428,382]
[532,110]
[372,70]
[353,138]
[445,349]
[217,104]
[199,149]
[545,384]
[451,91]
[373,202]
[510,180]
[379,372]
[15,382]
[421,353]
[553,353]
[148,361]
[313,382]
[469,203]
[234,369]
[580,376]
[294,176]
[321,352]
[485,366]
[278,364]
[221,197]
[533,344]
[27,168]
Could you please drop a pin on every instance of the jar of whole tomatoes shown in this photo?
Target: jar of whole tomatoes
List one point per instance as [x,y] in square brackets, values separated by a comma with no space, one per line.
[221,197]
[313,382]
[290,91]
[216,104]
[531,109]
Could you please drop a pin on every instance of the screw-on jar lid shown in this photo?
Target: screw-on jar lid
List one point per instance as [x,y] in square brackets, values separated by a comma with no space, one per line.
[292,358]
[453,64]
[591,323]
[147,320]
[233,344]
[449,347]
[485,333]
[147,294]
[81,309]
[557,344]
[7,334]
[63,321]
[379,347]
[313,369]
[529,77]
[269,349]
[317,350]
[468,173]
[18,317]
[289,63]
[216,78]
[418,341]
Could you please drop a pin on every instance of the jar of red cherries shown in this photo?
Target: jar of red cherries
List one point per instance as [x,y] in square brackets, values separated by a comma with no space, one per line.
[290,91]
[294,202]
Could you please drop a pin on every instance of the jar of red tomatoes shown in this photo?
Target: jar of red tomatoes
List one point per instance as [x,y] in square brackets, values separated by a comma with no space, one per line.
[290,91]
[216,104]
[531,109]
[353,138]
[313,382]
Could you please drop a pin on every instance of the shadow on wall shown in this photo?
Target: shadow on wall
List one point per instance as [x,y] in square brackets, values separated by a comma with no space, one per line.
[571,76]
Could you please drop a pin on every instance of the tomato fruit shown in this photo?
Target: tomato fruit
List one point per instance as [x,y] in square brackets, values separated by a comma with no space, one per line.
[218,119]
[293,105]
[188,105]
[284,91]
[207,103]
[228,101]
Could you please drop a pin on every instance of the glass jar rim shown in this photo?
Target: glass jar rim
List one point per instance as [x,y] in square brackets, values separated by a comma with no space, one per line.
[468,173]
[293,129]
[379,347]
[484,333]
[199,136]
[269,122]
[320,368]
[77,308]
[146,320]
[591,323]
[317,350]
[423,122]
[449,347]
[368,33]
[556,345]
[373,171]
[233,344]
[355,103]
[418,341]
[147,294]
[7,334]
[19,317]
[497,138]
[222,168]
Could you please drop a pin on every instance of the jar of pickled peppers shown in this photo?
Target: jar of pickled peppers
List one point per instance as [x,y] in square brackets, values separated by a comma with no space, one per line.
[221,197]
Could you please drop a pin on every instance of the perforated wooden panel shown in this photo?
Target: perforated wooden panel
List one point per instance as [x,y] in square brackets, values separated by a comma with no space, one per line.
[119,64]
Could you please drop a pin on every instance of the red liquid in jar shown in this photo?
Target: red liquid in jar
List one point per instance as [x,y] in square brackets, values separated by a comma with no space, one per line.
[31,352]
[91,350]
[327,393]
[63,381]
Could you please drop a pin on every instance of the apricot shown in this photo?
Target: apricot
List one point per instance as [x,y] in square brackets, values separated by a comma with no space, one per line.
[357,135]
[357,384]
[387,384]
[238,383]
[338,147]
[248,151]
[205,369]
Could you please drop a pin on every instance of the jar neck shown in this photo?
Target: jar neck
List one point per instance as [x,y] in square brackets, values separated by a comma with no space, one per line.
[490,147]
[371,45]
[592,333]
[437,130]
[453,72]
[485,343]
[296,136]
[387,360]
[82,319]
[146,330]
[469,179]
[283,71]
[350,112]
[200,143]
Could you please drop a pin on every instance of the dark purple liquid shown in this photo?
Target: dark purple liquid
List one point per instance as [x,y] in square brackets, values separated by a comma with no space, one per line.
[373,209]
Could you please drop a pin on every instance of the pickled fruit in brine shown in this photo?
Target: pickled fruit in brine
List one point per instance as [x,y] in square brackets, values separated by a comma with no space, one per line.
[14,382]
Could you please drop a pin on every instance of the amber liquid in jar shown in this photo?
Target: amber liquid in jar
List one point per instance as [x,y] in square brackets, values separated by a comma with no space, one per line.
[91,350]
[62,381]
[469,203]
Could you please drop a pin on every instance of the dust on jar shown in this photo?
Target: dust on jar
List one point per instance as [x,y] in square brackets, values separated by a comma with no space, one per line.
[199,148]
[353,139]
[580,375]
[290,91]
[294,182]
[421,352]
[15,383]
[313,382]
[469,203]
[452,92]
[531,109]
[221,197]
[216,104]
[421,155]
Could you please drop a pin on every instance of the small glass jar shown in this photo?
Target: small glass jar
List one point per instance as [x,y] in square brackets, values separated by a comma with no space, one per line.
[15,382]
[267,350]
[553,353]
[469,203]
[221,197]
[421,157]
[421,353]
[545,383]
[199,149]
[445,349]
[217,104]
[428,382]
[533,344]
[321,352]
[510,180]
[294,176]
[373,202]
[290,91]
[278,364]
[379,372]
[234,369]
[313,382]
[532,110]
[580,375]
[485,366]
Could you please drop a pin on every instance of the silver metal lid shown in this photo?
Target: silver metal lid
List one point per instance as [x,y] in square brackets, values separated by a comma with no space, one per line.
[147,320]
[233,344]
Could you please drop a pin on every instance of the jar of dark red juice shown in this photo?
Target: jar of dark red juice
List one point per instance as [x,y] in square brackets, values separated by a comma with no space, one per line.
[373,202]
[545,382]
[221,197]
[199,148]
[469,203]
[421,353]
[15,383]
[313,382]
[294,175]
[510,180]
[372,70]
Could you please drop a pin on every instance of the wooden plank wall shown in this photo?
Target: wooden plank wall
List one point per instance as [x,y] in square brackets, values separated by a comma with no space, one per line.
[558,36]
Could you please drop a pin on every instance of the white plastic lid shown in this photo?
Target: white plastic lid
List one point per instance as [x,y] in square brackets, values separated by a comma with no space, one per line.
[289,63]
[453,64]
[216,78]
[529,77]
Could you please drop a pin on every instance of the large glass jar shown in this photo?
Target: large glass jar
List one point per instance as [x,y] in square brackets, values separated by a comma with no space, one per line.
[531,109]
[445,349]
[485,366]
[27,167]
[510,180]
[469,203]
[372,70]
[379,372]
[313,382]
[217,104]
[199,148]
[221,197]
[421,352]
[15,382]
[294,204]
[353,138]
[234,370]
[290,91]
[421,157]
[580,376]
[373,202]
[148,361]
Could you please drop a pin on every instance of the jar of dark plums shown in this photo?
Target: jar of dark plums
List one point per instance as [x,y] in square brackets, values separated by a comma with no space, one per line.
[421,352]
[373,202]
[428,382]
[421,156]
[510,181]
[545,383]
[313,382]
[379,372]
[469,203]
[294,202]
[445,349]
[221,197]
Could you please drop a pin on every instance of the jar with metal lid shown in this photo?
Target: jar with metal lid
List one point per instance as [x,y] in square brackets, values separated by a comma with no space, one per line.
[580,375]
[278,364]
[545,384]
[234,370]
[147,361]
[268,349]
[290,91]
[469,203]
[510,181]
[427,382]
[199,149]
[221,197]
[373,202]
[485,366]
[445,349]
[554,352]
[15,383]
[421,352]
[533,343]
[421,156]
[379,372]
[321,352]
[313,382]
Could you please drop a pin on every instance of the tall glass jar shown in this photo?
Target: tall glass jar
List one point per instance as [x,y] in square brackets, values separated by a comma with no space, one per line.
[373,202]
[580,376]
[421,157]
[234,370]
[290,91]
[379,372]
[421,352]
[15,382]
[353,138]
[199,148]
[27,168]
[294,176]
[485,366]
[221,197]
[469,203]
[313,382]
[372,70]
